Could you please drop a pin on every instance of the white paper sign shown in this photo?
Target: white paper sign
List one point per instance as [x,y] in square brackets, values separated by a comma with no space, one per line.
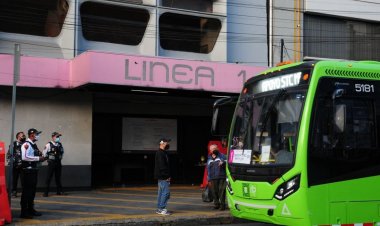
[240,156]
[265,153]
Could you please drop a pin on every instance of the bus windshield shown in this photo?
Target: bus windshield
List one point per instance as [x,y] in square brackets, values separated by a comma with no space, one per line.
[265,128]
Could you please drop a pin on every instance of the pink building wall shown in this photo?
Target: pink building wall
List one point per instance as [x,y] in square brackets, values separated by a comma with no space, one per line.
[127,70]
[36,72]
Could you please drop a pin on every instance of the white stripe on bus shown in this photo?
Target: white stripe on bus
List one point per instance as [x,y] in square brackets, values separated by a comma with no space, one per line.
[255,205]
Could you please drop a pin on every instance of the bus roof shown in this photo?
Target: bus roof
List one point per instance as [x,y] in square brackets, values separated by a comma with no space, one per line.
[368,66]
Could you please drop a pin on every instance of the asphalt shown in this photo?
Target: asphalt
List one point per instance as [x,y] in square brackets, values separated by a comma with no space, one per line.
[123,206]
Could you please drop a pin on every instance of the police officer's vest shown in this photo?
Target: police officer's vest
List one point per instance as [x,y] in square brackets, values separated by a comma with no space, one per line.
[28,164]
[56,151]
[16,154]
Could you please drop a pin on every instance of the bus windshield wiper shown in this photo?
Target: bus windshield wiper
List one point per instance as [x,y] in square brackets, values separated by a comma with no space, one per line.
[271,107]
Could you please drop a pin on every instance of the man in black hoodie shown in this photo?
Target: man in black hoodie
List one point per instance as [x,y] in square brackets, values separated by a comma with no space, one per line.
[162,174]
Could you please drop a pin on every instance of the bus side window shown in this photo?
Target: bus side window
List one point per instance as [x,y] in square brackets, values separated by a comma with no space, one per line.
[343,150]
[322,126]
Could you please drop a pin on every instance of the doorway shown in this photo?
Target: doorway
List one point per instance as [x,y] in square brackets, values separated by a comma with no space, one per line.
[111,166]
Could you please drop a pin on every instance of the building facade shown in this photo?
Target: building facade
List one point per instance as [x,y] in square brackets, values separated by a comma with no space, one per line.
[114,75]
[344,29]
[65,28]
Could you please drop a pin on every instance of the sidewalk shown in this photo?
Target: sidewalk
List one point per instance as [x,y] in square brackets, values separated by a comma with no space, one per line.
[123,206]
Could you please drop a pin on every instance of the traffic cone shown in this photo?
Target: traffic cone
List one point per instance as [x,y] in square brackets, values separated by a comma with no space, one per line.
[5,211]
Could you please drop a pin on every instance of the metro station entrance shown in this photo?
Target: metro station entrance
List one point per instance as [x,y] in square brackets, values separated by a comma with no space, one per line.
[116,163]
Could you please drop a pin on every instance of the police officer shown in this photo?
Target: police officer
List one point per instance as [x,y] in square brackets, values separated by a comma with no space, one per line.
[17,162]
[53,152]
[30,155]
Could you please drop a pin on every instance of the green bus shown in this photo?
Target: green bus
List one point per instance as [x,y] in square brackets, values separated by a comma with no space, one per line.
[304,145]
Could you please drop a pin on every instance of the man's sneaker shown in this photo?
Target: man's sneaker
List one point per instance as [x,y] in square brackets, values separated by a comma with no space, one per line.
[163,212]
[35,213]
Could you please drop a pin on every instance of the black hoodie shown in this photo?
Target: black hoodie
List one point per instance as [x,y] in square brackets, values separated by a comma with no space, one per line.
[161,167]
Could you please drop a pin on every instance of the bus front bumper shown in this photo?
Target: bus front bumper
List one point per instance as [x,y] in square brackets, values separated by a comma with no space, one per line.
[269,211]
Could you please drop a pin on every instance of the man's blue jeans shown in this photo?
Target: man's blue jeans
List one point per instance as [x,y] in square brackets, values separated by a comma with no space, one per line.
[163,194]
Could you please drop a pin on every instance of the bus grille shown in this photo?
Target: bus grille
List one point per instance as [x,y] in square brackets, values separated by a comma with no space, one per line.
[351,73]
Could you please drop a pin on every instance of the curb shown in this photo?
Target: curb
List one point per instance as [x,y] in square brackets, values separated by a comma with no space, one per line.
[215,219]
[176,222]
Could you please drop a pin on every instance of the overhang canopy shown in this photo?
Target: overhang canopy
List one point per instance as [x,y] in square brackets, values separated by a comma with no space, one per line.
[127,70]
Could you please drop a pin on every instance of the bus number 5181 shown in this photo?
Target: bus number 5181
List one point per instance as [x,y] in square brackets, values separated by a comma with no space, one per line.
[364,88]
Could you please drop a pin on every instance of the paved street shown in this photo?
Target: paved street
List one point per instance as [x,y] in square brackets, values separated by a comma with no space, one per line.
[124,206]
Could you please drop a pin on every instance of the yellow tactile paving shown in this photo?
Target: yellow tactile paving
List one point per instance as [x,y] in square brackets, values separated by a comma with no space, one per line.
[197,197]
[130,200]
[174,189]
[92,204]
[76,212]
[152,192]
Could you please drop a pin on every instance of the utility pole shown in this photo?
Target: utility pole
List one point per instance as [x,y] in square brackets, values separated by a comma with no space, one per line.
[16,78]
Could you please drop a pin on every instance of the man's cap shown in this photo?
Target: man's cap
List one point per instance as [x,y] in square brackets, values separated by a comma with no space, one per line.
[33,131]
[164,140]
[56,134]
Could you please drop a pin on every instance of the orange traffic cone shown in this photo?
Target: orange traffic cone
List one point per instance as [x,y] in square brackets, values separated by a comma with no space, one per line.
[5,211]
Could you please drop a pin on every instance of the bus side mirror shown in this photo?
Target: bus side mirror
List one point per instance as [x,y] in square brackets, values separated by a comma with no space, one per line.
[223,111]
[339,112]
[337,93]
[340,118]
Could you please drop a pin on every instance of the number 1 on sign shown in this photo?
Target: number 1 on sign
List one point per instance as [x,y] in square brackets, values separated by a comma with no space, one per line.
[244,74]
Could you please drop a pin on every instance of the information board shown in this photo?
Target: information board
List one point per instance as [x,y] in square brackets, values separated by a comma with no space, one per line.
[144,134]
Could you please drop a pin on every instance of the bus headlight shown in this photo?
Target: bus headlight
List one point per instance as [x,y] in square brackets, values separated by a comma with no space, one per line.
[287,188]
[229,187]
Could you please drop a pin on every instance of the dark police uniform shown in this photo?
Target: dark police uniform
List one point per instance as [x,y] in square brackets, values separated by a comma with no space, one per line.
[30,155]
[17,165]
[54,154]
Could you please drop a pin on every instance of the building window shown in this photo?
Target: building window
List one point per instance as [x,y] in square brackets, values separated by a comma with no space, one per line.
[188,33]
[330,37]
[113,23]
[196,5]
[41,18]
